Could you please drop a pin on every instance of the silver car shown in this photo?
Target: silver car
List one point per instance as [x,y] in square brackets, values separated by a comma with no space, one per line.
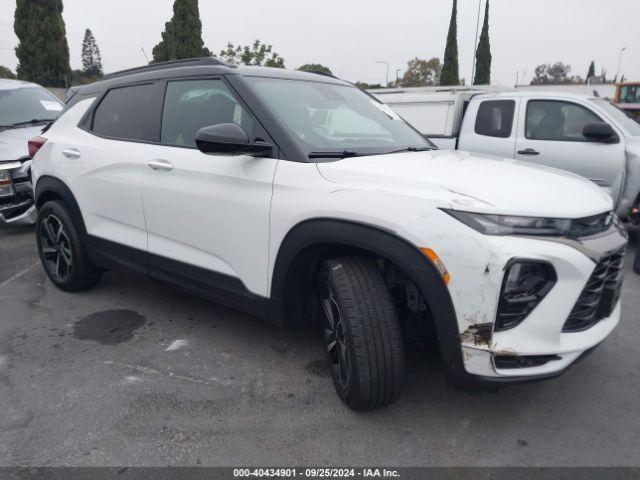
[25,108]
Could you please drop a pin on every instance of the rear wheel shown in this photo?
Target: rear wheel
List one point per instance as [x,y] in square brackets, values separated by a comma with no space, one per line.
[362,333]
[62,252]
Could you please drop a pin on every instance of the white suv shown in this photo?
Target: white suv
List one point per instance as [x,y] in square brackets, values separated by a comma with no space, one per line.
[297,196]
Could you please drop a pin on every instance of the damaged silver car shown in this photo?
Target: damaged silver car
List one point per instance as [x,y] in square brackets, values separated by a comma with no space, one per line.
[25,109]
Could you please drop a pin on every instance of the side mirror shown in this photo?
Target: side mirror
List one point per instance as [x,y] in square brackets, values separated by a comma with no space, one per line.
[599,132]
[230,138]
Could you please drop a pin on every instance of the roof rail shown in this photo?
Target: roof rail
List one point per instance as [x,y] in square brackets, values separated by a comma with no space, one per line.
[171,64]
[320,72]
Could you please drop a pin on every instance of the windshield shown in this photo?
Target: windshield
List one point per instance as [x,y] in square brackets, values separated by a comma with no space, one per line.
[630,126]
[326,118]
[23,105]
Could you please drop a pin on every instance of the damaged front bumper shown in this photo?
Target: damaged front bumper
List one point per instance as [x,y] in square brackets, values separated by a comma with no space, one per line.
[543,345]
[17,207]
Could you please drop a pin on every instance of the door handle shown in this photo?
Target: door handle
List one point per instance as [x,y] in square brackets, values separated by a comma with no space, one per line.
[72,153]
[529,151]
[160,165]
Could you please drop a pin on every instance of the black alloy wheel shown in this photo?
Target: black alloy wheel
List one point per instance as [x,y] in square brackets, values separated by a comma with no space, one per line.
[56,248]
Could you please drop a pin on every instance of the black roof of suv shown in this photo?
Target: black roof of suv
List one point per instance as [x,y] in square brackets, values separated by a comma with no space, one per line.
[187,68]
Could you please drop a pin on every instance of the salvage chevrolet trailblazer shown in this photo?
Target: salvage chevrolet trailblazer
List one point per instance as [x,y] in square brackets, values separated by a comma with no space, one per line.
[296,196]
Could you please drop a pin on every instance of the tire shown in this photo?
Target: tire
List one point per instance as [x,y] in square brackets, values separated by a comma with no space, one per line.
[362,334]
[62,251]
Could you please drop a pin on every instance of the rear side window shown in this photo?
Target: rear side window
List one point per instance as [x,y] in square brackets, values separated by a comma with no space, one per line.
[194,104]
[130,113]
[495,118]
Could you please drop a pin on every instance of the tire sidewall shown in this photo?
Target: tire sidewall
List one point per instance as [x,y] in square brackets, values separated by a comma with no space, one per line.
[327,275]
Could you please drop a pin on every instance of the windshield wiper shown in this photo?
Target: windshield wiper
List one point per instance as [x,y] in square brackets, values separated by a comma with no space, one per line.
[410,149]
[343,154]
[34,121]
[352,153]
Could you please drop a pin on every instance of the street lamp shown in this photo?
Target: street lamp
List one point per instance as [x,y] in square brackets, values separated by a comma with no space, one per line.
[398,76]
[620,62]
[387,64]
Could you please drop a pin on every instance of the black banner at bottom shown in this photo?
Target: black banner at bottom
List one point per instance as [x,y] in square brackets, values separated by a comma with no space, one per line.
[330,473]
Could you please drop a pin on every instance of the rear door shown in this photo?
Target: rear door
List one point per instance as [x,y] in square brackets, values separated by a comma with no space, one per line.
[550,134]
[106,163]
[489,127]
[207,216]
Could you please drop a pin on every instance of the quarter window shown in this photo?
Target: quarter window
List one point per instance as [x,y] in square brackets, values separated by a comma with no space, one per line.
[194,104]
[557,121]
[495,118]
[129,113]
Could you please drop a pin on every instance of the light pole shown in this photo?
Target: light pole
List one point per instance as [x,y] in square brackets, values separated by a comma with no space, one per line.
[387,64]
[620,62]
[475,45]
[398,76]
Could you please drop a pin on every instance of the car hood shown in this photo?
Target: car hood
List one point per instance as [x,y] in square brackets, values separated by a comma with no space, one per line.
[13,142]
[473,182]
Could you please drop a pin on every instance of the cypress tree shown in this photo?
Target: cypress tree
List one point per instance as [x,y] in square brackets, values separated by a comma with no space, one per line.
[592,71]
[483,55]
[91,58]
[43,52]
[450,75]
[182,37]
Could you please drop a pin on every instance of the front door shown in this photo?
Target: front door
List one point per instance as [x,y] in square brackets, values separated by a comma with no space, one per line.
[207,216]
[550,133]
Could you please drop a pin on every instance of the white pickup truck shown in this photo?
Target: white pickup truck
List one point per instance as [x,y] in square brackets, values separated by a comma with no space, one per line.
[582,134]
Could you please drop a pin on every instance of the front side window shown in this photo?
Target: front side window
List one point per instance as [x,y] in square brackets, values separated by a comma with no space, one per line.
[557,121]
[129,113]
[194,104]
[495,118]
[324,117]
[25,105]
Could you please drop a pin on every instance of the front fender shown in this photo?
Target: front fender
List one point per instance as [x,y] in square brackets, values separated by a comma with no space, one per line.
[379,242]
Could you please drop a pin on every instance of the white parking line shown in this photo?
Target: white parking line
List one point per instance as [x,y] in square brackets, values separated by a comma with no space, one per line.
[176,345]
[18,275]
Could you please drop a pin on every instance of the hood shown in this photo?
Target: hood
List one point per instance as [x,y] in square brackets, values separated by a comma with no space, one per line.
[473,182]
[13,142]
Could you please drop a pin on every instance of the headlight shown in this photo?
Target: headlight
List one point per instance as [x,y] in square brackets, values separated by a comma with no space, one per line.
[513,225]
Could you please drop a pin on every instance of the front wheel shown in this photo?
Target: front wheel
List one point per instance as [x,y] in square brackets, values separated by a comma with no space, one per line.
[362,333]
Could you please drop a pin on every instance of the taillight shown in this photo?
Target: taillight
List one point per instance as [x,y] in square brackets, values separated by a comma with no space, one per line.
[35,144]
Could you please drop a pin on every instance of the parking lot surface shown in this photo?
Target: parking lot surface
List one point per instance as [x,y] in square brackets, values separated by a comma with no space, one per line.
[134,372]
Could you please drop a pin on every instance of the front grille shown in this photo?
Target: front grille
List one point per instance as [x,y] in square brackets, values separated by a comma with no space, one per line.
[512,362]
[600,295]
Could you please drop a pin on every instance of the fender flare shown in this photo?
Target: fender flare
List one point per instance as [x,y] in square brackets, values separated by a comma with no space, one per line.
[378,241]
[48,185]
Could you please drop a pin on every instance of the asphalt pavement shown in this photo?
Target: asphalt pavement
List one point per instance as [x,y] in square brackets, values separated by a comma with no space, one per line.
[135,372]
